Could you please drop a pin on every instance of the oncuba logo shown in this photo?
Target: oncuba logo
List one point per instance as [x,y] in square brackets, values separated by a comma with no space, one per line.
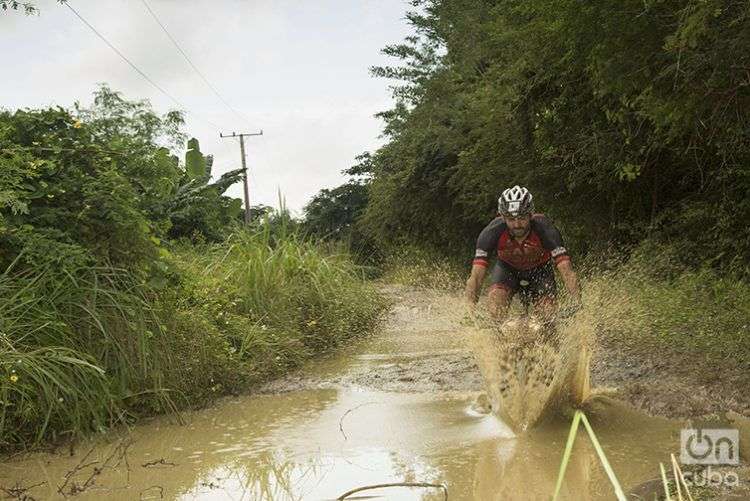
[709,446]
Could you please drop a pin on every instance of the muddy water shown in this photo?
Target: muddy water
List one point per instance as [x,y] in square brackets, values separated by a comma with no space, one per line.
[400,407]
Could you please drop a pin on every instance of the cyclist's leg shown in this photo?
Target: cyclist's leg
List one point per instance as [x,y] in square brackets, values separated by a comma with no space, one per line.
[504,285]
[542,291]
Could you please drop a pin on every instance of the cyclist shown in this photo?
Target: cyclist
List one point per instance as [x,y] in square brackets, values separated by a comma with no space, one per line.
[526,244]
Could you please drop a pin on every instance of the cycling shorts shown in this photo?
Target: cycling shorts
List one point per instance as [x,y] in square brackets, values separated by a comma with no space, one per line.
[534,285]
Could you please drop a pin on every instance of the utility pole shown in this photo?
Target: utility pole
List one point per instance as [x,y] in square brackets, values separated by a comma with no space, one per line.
[244,168]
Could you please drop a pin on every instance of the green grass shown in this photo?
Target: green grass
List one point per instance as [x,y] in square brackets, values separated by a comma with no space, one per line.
[699,313]
[83,349]
[272,302]
[72,348]
[419,267]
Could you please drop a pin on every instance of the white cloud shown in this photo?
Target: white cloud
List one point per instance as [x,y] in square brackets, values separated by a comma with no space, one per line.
[298,70]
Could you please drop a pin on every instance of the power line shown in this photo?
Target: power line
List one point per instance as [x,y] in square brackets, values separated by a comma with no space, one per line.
[141,73]
[197,71]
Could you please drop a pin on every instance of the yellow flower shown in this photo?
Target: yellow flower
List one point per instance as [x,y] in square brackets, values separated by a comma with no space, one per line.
[13,378]
[77,124]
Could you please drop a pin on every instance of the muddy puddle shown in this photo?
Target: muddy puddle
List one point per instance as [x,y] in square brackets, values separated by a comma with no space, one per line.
[400,407]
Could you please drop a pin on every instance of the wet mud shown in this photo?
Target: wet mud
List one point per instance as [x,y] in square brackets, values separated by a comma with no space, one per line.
[668,383]
[659,384]
[425,348]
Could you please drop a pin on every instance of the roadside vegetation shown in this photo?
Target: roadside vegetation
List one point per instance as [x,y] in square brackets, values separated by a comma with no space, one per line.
[127,284]
[701,315]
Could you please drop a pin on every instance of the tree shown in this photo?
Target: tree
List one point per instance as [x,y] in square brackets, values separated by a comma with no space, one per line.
[332,213]
[98,185]
[68,194]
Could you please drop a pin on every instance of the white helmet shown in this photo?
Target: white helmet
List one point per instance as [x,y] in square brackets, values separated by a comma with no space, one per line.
[515,202]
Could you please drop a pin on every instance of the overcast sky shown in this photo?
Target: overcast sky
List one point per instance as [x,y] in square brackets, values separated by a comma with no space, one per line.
[298,69]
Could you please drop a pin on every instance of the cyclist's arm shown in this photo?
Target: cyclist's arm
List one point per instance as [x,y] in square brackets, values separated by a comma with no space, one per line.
[474,282]
[486,246]
[570,279]
[553,241]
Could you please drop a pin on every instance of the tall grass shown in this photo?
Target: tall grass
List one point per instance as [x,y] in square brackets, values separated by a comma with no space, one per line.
[275,299]
[72,346]
[81,349]
[420,267]
[698,312]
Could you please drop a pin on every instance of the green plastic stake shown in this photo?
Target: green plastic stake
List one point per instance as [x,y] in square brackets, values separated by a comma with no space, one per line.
[665,482]
[566,454]
[577,418]
[605,463]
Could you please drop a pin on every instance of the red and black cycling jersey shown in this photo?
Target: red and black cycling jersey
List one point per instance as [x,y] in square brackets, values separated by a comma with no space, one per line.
[542,243]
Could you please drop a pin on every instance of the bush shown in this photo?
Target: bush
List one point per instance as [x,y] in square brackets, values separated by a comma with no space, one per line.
[65,197]
[84,348]
[99,321]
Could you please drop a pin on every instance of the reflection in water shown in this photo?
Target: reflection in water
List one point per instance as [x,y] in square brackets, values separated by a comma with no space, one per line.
[270,475]
[526,468]
[318,443]
[473,454]
[276,476]
[292,447]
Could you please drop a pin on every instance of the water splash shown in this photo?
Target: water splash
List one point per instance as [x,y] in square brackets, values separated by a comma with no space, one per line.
[531,370]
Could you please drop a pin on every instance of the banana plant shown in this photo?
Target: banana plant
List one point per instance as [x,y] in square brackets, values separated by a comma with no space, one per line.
[198,206]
